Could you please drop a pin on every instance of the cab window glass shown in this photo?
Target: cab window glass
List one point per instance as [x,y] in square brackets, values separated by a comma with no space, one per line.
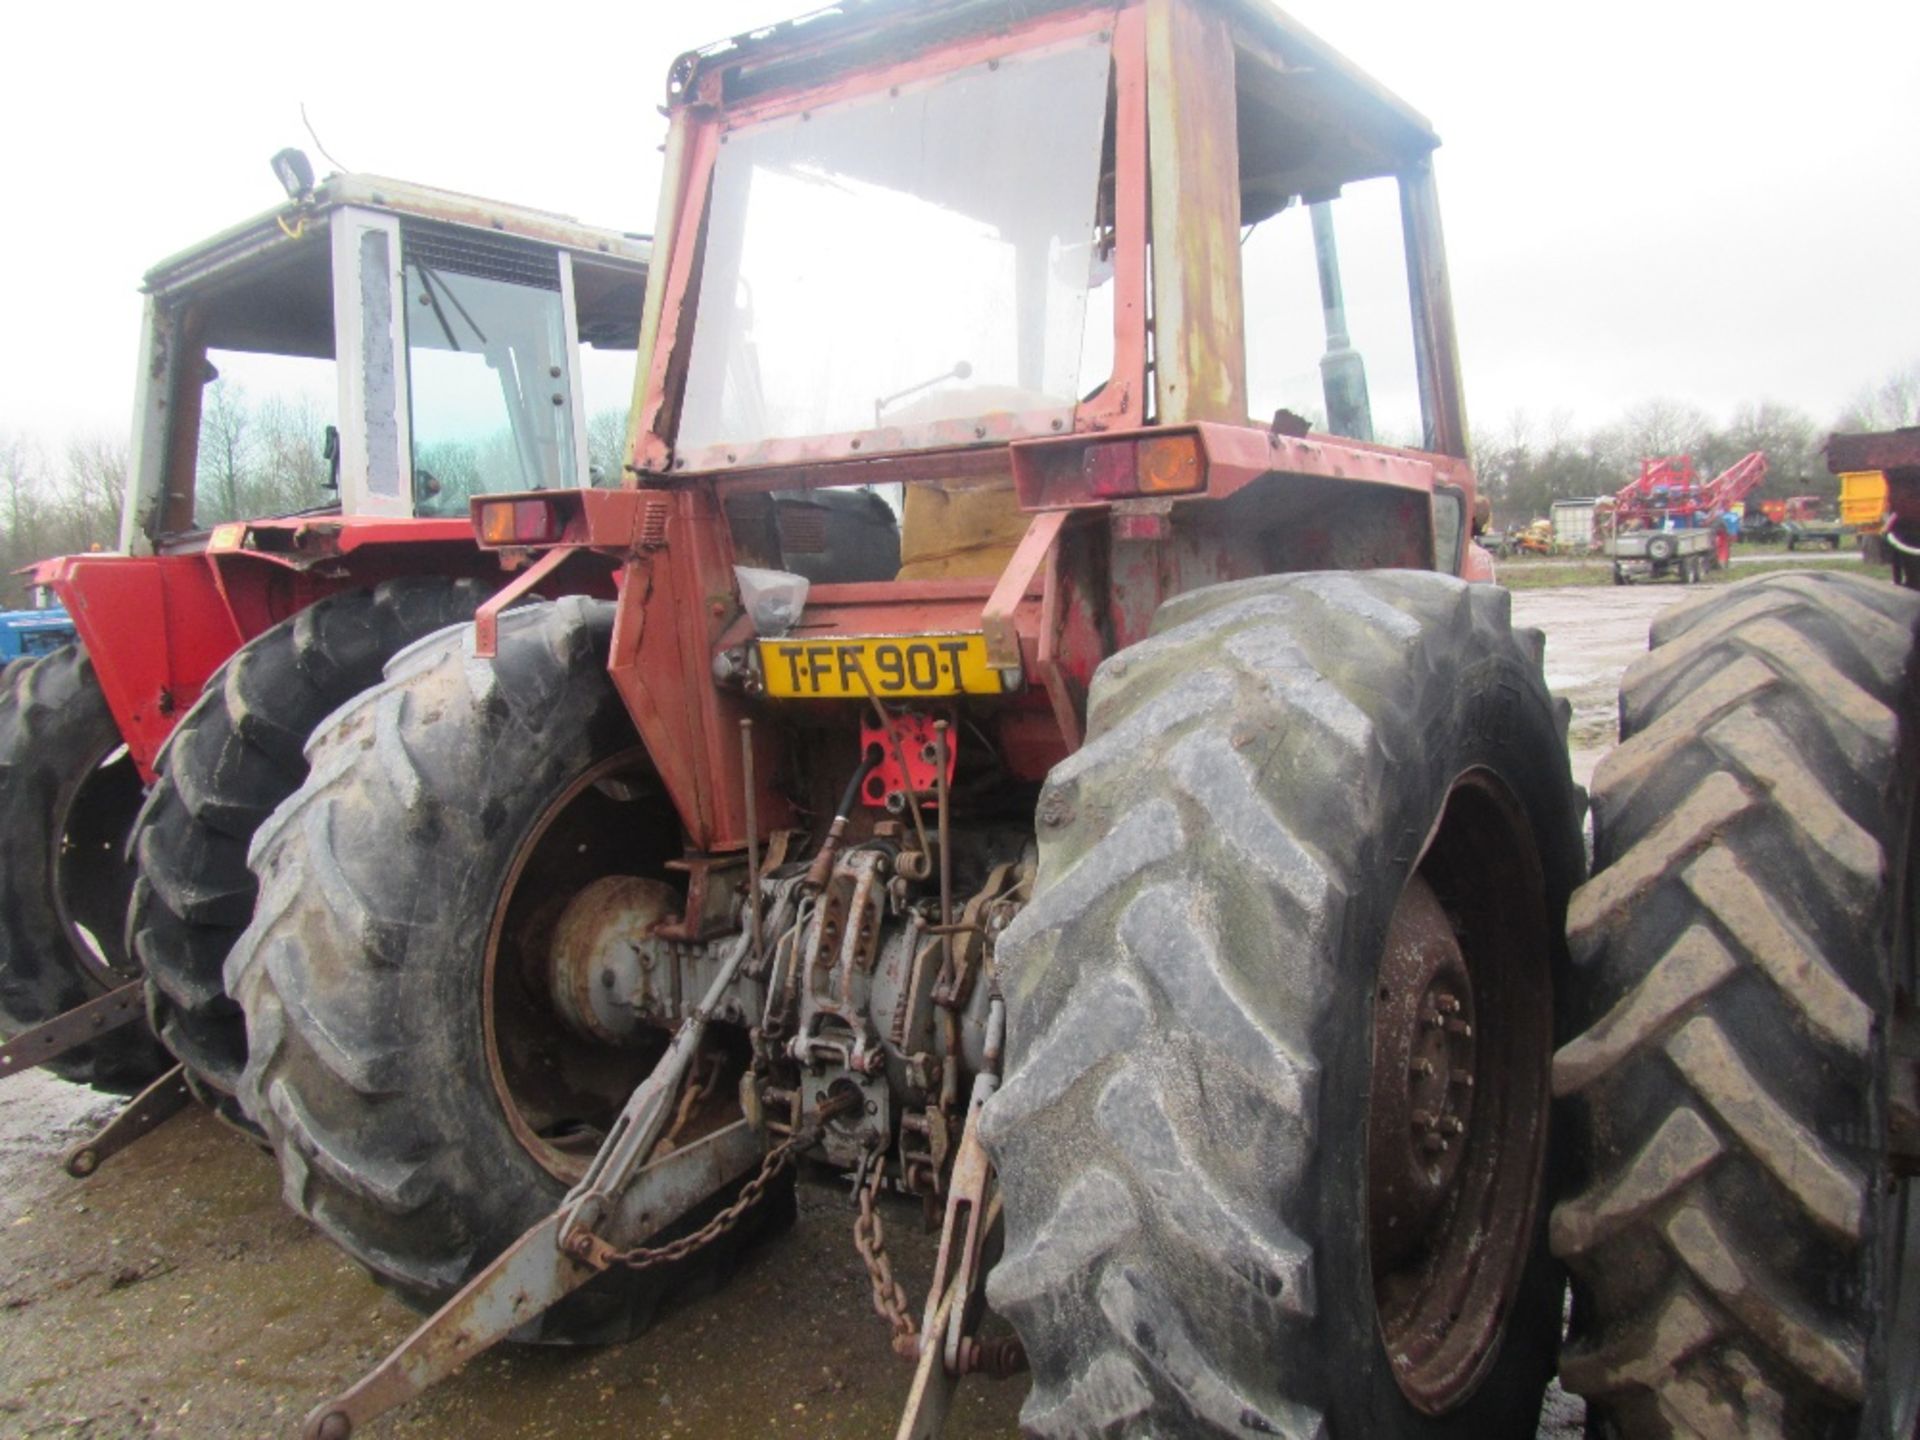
[487,367]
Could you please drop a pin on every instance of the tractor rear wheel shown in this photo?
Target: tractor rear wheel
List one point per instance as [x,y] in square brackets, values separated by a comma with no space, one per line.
[1273,1133]
[68,795]
[426,1099]
[235,756]
[1743,1249]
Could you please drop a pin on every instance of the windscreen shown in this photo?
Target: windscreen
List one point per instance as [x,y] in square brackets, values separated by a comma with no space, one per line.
[487,361]
[918,255]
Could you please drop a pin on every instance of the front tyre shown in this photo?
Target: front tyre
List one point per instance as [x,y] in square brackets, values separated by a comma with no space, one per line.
[1273,1132]
[68,795]
[1743,1253]
[425,1100]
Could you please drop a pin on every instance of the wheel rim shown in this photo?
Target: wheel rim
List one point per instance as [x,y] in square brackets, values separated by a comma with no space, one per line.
[1458,1095]
[561,1089]
[92,873]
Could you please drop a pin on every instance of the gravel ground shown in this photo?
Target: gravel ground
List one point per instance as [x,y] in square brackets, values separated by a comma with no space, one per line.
[173,1295]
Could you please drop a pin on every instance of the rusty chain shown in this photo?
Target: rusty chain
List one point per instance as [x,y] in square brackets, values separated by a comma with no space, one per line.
[596,1252]
[889,1296]
[692,1097]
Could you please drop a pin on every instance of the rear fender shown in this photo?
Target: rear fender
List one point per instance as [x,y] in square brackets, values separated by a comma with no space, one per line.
[158,626]
[155,627]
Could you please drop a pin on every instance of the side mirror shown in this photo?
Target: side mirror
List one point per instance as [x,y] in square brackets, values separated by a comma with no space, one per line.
[330,452]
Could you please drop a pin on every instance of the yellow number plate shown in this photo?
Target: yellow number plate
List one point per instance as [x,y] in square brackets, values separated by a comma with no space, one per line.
[892,667]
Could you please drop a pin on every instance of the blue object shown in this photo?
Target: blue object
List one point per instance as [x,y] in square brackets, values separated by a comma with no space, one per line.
[25,633]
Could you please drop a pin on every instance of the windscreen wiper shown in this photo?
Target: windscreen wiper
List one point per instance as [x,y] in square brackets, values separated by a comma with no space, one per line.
[430,282]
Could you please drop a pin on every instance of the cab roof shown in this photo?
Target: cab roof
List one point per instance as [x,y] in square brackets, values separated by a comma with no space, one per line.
[284,225]
[861,34]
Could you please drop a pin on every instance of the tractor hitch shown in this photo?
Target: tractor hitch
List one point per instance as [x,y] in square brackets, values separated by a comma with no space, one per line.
[160,1101]
[947,1349]
[82,1025]
[73,1028]
[531,1276]
[623,1199]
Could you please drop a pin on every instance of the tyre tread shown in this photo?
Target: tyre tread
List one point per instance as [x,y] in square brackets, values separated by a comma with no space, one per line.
[1727,995]
[236,755]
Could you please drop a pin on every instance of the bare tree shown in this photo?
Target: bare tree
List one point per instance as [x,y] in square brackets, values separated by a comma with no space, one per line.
[226,452]
[1887,405]
[22,510]
[1652,427]
[1789,438]
[1526,468]
[90,492]
[607,447]
[292,471]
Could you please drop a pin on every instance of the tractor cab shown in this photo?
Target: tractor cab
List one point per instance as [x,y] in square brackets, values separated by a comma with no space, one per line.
[1079,376]
[920,244]
[432,344]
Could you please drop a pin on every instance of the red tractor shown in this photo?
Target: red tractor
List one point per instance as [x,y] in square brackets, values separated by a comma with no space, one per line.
[1163,874]
[447,333]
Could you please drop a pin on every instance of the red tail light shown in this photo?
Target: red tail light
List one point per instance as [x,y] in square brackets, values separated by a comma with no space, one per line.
[517,522]
[1083,472]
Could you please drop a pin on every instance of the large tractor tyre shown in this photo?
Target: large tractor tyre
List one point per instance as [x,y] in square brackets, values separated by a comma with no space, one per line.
[1742,1252]
[1273,1133]
[425,1100]
[68,795]
[236,755]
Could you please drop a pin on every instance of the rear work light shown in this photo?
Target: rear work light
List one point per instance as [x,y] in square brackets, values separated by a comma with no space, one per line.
[519,522]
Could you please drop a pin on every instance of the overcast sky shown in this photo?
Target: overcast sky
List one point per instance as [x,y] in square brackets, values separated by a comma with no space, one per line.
[1706,201]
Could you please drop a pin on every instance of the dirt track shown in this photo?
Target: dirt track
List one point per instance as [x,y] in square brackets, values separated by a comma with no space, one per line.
[173,1295]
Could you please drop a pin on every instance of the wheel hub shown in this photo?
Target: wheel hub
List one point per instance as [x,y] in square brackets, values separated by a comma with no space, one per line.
[1457,1095]
[565,1044]
[1421,1103]
[598,967]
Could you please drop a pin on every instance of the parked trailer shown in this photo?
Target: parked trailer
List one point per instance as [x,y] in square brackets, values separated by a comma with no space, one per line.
[1820,534]
[1683,555]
